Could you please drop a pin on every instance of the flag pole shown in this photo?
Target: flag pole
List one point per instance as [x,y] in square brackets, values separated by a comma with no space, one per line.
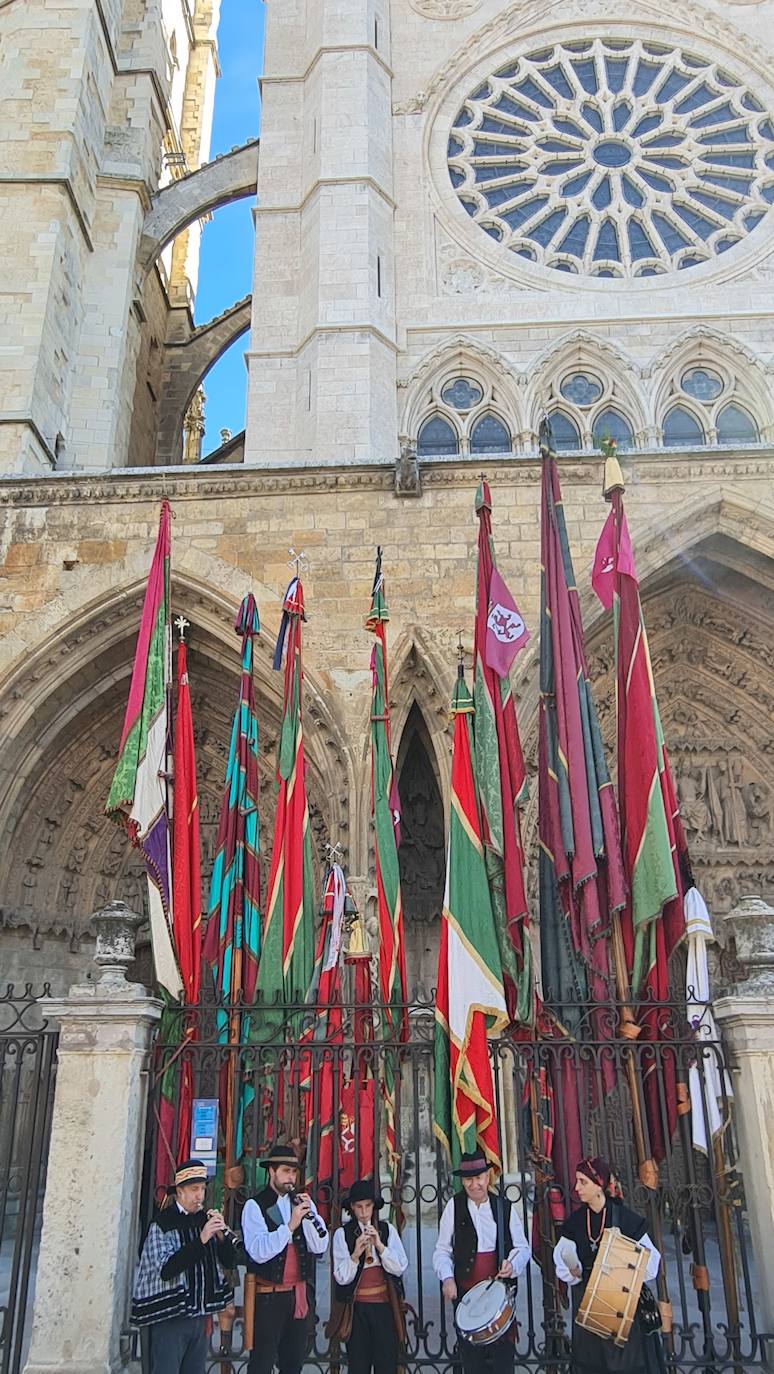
[629,1030]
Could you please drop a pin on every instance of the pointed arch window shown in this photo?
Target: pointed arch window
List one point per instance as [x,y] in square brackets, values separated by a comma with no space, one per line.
[565,431]
[609,424]
[489,435]
[437,438]
[682,428]
[736,426]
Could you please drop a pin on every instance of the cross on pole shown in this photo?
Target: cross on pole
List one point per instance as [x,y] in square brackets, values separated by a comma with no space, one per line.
[334,853]
[181,625]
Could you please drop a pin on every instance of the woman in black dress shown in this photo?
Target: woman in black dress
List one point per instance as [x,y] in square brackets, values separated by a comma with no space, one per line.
[574,1257]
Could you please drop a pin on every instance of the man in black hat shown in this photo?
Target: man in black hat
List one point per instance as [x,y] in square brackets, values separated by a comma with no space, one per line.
[283,1235]
[477,1225]
[180,1279]
[368,1261]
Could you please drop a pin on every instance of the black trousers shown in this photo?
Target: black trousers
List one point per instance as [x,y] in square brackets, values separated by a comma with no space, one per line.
[178,1346]
[373,1342]
[487,1359]
[279,1340]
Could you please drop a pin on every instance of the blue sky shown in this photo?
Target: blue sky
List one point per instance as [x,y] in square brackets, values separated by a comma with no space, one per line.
[227,245]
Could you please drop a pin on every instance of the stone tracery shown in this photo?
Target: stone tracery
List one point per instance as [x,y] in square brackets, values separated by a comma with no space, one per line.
[613,157]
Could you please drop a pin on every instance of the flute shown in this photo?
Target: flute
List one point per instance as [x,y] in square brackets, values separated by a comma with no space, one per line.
[224,1229]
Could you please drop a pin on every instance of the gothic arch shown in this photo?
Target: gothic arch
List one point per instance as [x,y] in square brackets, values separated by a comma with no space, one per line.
[583,351]
[748,378]
[186,363]
[62,709]
[462,356]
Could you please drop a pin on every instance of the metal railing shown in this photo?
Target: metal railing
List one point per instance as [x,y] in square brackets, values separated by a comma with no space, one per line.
[27,1071]
[303,1077]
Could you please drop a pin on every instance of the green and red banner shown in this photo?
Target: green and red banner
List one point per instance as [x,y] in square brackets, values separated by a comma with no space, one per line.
[232,944]
[500,772]
[470,1002]
[385,812]
[138,797]
[287,958]
[581,877]
[653,840]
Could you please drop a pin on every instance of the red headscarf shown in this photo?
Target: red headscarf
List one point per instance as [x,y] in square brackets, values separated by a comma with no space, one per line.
[596,1169]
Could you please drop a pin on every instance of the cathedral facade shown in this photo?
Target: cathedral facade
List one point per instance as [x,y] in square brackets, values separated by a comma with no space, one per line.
[469,214]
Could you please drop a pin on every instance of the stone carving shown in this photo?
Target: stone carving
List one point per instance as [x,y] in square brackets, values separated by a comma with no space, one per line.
[722,803]
[445,9]
[461,277]
[408,481]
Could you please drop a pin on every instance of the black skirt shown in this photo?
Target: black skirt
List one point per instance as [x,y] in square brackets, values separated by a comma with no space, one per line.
[642,1354]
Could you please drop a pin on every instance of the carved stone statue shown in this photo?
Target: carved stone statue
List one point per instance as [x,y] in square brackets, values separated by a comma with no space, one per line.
[407,478]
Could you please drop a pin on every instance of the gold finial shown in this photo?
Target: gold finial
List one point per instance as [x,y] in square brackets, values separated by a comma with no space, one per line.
[181,625]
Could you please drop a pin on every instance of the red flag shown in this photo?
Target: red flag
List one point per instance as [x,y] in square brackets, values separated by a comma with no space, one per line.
[506,632]
[610,554]
[186,877]
[187,926]
[654,844]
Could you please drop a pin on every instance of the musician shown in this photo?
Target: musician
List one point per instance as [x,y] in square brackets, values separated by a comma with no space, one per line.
[283,1235]
[574,1257]
[368,1261]
[467,1253]
[180,1278]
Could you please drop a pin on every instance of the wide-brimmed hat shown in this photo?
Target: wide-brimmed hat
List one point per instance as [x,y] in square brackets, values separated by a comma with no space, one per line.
[280,1154]
[471,1164]
[363,1191]
[190,1171]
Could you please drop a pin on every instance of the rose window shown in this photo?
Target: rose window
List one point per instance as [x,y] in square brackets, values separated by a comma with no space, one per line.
[614,158]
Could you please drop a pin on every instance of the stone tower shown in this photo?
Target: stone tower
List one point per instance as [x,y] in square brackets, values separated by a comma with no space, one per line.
[99,105]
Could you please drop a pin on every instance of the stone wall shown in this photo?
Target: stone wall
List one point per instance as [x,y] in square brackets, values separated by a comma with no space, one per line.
[75,555]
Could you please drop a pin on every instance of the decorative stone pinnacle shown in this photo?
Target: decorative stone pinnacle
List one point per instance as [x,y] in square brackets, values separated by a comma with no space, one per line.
[116,926]
[751,923]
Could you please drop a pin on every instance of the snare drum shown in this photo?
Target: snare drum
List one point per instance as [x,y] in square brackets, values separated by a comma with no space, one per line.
[486,1311]
[609,1305]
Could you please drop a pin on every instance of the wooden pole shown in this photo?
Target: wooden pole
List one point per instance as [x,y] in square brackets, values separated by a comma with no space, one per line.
[647,1169]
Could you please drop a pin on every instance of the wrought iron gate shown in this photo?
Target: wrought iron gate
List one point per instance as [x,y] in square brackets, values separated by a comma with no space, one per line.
[300,1088]
[27,1069]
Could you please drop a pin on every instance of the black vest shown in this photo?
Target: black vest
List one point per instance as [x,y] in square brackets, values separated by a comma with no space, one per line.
[465,1240]
[345,1292]
[273,1271]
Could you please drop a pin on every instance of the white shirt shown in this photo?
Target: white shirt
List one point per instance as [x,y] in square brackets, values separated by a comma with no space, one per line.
[263,1245]
[393,1259]
[563,1273]
[486,1232]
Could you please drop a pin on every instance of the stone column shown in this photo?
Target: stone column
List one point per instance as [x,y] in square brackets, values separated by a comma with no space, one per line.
[89,1239]
[746,1019]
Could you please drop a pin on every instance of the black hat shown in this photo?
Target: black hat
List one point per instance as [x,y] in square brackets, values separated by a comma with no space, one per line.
[363,1191]
[280,1154]
[471,1164]
[190,1171]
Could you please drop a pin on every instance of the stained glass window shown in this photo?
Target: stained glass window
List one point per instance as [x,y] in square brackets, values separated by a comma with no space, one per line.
[614,125]
[462,393]
[610,425]
[680,427]
[565,431]
[489,435]
[581,389]
[436,438]
[702,384]
[736,426]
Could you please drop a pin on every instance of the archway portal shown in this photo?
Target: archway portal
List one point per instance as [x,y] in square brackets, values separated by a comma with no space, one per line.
[422,851]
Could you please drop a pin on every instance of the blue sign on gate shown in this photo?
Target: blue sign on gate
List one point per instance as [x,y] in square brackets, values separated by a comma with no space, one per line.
[204,1132]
